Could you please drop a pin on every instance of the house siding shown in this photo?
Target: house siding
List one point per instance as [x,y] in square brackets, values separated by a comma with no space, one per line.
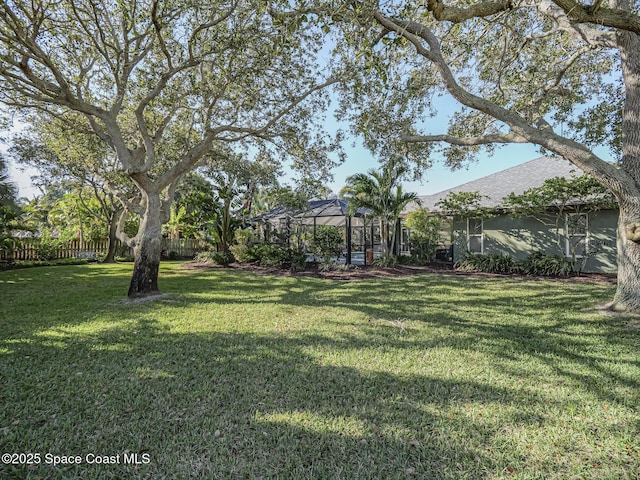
[521,236]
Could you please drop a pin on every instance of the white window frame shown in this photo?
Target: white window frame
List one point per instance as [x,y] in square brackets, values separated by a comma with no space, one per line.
[404,245]
[475,235]
[570,236]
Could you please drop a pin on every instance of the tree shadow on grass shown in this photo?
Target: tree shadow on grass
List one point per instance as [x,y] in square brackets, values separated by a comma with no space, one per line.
[463,313]
[247,405]
[241,406]
[496,316]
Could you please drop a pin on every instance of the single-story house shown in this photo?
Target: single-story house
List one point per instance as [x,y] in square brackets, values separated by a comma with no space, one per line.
[578,232]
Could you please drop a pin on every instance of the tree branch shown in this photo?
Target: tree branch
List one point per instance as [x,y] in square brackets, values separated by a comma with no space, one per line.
[158,29]
[576,11]
[458,15]
[205,26]
[613,178]
[465,141]
[598,15]
[121,234]
[555,83]
[587,32]
[128,204]
[139,112]
[196,153]
[89,210]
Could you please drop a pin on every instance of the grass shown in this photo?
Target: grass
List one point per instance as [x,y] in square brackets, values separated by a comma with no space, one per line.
[241,376]
[4,265]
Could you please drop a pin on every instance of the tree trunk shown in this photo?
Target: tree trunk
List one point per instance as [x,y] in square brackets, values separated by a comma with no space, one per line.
[384,238]
[147,249]
[113,236]
[627,297]
[393,228]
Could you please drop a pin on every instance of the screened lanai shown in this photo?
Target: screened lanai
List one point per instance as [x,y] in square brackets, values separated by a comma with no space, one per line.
[361,236]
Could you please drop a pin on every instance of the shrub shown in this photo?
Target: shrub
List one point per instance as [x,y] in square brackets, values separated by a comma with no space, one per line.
[334,267]
[488,263]
[270,255]
[298,261]
[539,263]
[425,233]
[326,242]
[281,257]
[215,258]
[47,248]
[243,249]
[253,254]
[43,263]
[390,261]
[413,260]
[8,244]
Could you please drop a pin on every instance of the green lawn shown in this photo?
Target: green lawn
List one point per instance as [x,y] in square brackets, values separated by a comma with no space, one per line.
[241,376]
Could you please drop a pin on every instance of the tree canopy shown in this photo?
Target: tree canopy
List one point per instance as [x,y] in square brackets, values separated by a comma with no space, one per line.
[164,85]
[562,75]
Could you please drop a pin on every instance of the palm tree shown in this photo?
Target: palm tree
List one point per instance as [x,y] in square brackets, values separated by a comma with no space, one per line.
[380,192]
[8,206]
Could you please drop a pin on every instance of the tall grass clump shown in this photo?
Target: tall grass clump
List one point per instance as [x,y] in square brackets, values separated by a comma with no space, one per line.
[537,264]
[488,263]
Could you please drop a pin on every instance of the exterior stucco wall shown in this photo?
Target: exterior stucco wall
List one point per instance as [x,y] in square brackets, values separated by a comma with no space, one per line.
[520,237]
[602,242]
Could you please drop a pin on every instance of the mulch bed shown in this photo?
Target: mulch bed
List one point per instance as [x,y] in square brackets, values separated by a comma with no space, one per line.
[358,272]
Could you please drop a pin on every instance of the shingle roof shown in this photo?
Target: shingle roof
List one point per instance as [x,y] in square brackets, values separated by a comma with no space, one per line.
[516,179]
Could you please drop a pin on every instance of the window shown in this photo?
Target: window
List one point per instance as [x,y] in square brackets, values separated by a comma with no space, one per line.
[404,240]
[577,230]
[474,235]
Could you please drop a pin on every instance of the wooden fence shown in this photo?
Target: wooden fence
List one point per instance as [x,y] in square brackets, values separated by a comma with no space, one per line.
[32,249]
[183,247]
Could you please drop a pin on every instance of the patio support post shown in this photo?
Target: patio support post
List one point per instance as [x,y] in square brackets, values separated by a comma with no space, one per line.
[348,239]
[364,239]
[373,248]
[314,228]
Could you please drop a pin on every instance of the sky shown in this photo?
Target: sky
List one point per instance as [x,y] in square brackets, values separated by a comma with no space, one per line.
[439,177]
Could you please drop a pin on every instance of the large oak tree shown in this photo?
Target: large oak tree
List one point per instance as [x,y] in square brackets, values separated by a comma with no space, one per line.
[164,84]
[564,75]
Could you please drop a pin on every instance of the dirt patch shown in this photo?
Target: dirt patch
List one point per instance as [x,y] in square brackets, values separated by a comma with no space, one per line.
[146,298]
[357,272]
[605,308]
